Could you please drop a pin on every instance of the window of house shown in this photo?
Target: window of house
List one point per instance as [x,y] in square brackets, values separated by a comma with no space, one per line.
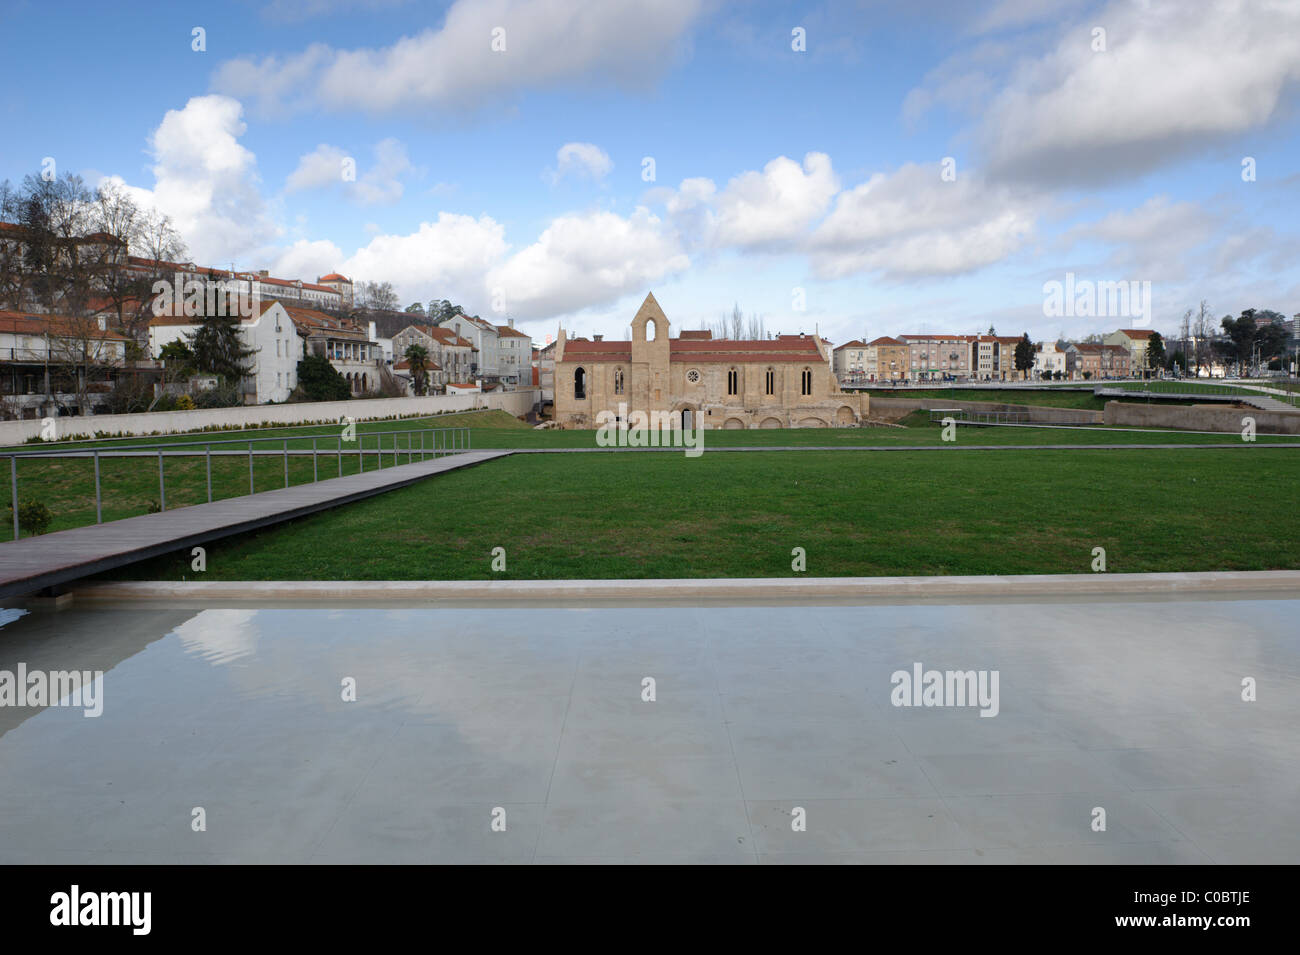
[618,381]
[733,382]
[769,382]
[579,385]
[806,382]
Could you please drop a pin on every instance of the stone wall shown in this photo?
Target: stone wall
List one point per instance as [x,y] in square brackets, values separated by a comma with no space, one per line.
[1200,417]
[891,409]
[173,422]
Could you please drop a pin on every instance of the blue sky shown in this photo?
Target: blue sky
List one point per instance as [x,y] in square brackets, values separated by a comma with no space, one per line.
[515,177]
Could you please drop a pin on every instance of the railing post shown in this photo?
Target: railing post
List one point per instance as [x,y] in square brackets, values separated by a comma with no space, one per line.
[13,480]
[208,456]
[99,508]
[422,454]
[314,476]
[340,455]
[250,467]
[361,461]
[286,462]
[162,484]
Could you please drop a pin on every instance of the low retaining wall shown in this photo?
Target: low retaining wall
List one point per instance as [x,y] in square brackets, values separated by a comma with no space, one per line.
[891,409]
[172,422]
[1200,417]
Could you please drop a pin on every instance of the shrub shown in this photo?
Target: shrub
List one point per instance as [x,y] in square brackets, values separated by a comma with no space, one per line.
[223,396]
[320,381]
[185,403]
[129,395]
[33,517]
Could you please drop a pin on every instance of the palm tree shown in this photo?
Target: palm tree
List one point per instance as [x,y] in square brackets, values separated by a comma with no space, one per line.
[418,357]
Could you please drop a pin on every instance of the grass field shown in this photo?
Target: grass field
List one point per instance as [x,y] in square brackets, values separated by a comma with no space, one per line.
[1203,388]
[129,486]
[740,515]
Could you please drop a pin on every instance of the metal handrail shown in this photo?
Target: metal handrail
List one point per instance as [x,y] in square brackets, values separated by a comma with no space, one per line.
[454,441]
[72,448]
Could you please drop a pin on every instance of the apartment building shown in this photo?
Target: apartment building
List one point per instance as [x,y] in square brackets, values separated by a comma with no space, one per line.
[514,350]
[1136,340]
[271,332]
[50,363]
[887,359]
[1090,361]
[849,361]
[938,356]
[348,347]
[485,338]
[453,355]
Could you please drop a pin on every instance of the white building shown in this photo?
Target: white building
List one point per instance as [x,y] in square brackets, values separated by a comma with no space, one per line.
[485,338]
[515,356]
[271,333]
[1048,357]
[849,360]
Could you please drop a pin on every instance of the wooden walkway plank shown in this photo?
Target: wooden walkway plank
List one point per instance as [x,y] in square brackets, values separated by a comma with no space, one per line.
[34,563]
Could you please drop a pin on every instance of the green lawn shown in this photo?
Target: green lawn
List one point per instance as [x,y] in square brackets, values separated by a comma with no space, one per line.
[1200,388]
[479,420]
[740,515]
[129,486]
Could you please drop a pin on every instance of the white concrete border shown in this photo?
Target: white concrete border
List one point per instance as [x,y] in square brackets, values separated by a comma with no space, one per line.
[1273,582]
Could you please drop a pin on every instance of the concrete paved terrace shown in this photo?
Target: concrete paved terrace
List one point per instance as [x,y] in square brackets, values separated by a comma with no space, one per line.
[539,719]
[34,563]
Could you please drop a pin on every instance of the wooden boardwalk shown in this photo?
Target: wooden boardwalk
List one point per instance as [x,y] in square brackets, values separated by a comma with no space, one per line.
[34,563]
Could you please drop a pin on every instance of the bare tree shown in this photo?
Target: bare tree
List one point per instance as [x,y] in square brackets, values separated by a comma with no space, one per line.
[13,281]
[377,296]
[57,254]
[1203,332]
[81,354]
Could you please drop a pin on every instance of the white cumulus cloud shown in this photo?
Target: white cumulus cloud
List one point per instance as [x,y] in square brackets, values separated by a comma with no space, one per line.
[538,43]
[207,181]
[581,160]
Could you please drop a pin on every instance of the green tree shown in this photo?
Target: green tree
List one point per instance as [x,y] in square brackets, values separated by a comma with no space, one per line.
[440,310]
[177,353]
[418,357]
[219,349]
[415,308]
[1254,333]
[1156,351]
[318,380]
[1024,355]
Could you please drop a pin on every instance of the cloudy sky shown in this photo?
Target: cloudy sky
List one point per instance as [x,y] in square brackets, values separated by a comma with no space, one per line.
[551,161]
